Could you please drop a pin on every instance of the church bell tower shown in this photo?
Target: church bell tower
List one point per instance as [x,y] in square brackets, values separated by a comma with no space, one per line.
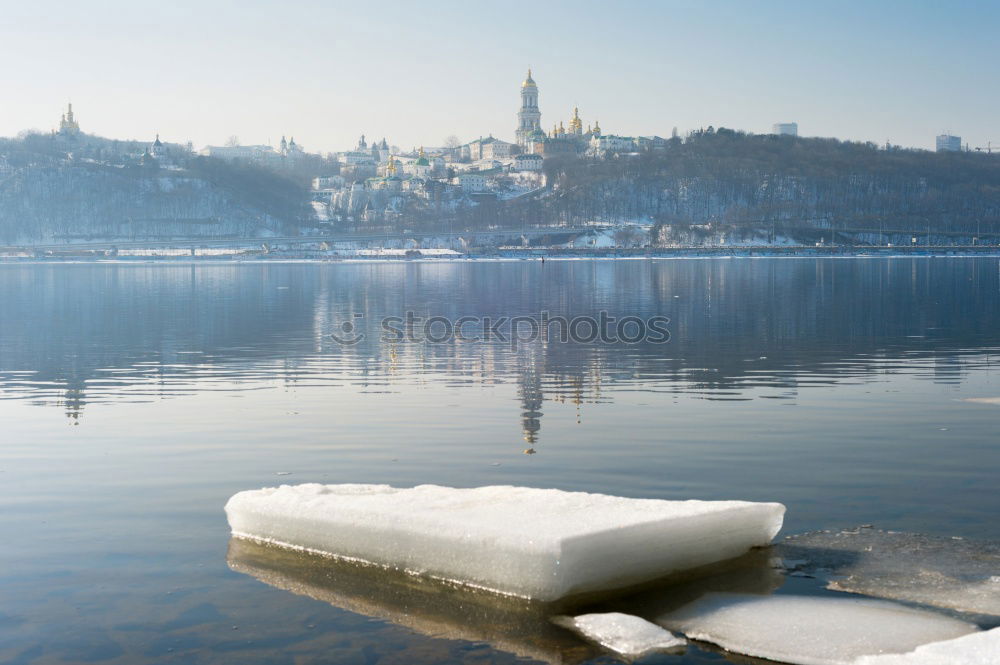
[529,118]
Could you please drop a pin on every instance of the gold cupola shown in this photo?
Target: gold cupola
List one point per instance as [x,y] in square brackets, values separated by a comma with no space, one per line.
[529,82]
[575,124]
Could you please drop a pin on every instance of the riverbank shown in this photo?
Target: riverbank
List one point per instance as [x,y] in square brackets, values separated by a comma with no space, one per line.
[216,254]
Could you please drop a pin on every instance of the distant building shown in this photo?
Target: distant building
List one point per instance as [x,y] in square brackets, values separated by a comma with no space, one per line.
[491,148]
[472,182]
[786,129]
[363,154]
[650,142]
[328,182]
[290,150]
[158,150]
[949,143]
[249,153]
[612,143]
[421,166]
[528,162]
[68,126]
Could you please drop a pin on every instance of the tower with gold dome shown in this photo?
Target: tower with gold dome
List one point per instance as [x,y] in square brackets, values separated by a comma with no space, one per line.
[529,118]
[575,124]
[68,126]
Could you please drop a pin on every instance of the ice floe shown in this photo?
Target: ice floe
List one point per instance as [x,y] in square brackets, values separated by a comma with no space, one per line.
[625,634]
[973,649]
[809,630]
[952,573]
[543,544]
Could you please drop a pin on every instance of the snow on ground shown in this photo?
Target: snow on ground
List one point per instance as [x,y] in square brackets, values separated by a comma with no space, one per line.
[809,630]
[177,251]
[627,635]
[321,211]
[396,252]
[536,543]
[638,235]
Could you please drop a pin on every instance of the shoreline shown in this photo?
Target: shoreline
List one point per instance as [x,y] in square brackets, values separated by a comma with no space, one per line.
[540,255]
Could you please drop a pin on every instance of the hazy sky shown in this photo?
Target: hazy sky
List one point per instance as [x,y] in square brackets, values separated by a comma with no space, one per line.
[416,72]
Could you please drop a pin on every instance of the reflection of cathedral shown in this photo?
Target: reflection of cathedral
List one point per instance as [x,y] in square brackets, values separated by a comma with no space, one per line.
[73,404]
[530,391]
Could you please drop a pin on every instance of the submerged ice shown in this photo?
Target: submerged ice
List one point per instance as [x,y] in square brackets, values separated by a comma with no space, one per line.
[543,544]
[953,573]
[625,634]
[808,630]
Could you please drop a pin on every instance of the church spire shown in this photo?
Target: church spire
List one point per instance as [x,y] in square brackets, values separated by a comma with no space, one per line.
[68,126]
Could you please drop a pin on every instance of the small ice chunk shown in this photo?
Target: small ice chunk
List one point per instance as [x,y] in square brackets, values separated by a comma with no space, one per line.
[973,649]
[808,630]
[543,544]
[625,634]
[983,400]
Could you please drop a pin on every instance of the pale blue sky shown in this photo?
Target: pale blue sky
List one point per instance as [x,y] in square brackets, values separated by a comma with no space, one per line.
[417,72]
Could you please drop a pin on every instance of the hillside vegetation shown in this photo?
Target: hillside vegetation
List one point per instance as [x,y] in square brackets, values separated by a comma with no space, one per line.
[53,189]
[761,181]
[710,183]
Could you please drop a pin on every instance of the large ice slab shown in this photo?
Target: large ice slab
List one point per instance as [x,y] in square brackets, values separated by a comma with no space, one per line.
[625,634]
[543,544]
[973,649]
[954,573]
[808,630]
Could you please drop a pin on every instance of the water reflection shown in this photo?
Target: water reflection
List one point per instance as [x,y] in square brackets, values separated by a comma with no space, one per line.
[513,625]
[854,391]
[78,334]
[428,607]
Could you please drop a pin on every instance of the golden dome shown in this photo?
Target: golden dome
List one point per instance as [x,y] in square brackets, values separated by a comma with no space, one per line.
[529,82]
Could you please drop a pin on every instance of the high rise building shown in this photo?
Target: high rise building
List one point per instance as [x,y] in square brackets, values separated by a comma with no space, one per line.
[949,143]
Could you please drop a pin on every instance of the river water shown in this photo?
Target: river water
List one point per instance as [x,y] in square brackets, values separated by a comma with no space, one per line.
[135,398]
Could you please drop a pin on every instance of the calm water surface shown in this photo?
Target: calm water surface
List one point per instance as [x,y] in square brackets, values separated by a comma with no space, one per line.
[136,398]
